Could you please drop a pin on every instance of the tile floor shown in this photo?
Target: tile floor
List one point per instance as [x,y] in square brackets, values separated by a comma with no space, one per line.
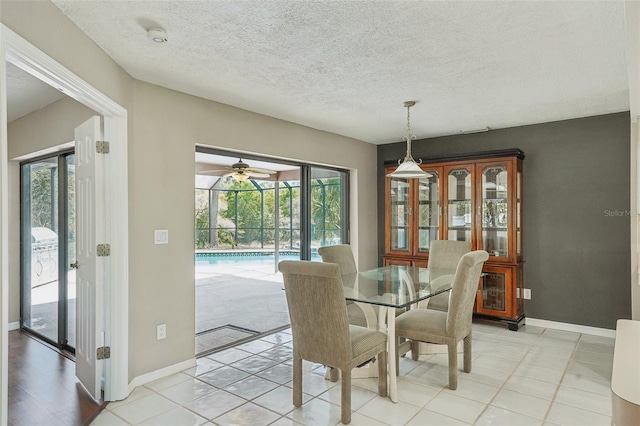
[535,376]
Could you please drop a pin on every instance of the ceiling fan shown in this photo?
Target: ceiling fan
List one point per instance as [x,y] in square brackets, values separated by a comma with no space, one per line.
[241,171]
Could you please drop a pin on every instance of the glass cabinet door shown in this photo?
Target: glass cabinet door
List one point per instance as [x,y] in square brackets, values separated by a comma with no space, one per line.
[519,211]
[399,220]
[459,204]
[428,210]
[494,202]
[494,292]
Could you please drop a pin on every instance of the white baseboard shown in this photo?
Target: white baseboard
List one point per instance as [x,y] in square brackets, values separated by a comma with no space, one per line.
[605,332]
[13,326]
[159,374]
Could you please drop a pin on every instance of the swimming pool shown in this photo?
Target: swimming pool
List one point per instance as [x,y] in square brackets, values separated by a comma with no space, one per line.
[234,258]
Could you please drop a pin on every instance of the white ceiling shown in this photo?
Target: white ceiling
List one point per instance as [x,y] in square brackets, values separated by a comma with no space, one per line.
[347,67]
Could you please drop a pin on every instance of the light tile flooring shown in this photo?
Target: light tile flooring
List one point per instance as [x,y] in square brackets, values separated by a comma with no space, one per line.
[535,376]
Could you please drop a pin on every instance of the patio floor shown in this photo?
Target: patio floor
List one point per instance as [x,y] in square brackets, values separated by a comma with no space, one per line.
[243,293]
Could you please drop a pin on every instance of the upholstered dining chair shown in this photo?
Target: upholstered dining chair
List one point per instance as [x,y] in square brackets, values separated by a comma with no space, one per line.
[341,254]
[321,331]
[444,254]
[448,328]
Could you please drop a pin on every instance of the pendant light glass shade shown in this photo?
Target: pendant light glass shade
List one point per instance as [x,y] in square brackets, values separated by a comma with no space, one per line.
[408,168]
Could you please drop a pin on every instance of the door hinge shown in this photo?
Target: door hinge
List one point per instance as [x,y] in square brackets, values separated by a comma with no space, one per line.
[103,249]
[103,352]
[102,147]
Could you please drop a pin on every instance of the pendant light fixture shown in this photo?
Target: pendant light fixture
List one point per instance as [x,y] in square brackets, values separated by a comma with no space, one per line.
[408,168]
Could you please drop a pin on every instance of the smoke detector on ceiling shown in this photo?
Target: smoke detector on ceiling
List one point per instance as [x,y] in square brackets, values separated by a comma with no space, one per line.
[157,35]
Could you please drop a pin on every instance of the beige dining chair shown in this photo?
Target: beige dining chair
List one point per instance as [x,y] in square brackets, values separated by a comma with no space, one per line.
[452,326]
[444,255]
[321,331]
[341,254]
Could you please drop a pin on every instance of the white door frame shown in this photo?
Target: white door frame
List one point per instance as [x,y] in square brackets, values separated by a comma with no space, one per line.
[18,51]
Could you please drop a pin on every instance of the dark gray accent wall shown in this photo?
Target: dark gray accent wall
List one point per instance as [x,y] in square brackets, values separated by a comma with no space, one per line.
[577,219]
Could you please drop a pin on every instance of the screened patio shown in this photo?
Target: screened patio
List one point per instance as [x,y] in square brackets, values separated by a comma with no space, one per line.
[244,227]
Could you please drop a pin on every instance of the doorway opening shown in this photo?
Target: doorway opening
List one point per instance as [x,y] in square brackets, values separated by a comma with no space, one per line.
[250,213]
[48,295]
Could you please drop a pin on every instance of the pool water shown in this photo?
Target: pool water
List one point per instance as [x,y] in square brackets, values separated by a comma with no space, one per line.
[244,258]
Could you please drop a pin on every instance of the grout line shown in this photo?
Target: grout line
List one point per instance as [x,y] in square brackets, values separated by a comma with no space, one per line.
[438,392]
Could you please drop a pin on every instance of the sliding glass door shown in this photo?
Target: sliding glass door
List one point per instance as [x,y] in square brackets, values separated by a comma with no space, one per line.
[294,209]
[328,210]
[48,249]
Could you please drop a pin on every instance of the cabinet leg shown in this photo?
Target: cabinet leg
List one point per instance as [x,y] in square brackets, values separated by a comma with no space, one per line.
[516,324]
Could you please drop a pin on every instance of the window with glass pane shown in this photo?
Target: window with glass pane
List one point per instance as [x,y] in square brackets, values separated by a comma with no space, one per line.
[494,292]
[518,214]
[327,207]
[428,208]
[459,211]
[71,250]
[40,263]
[495,210]
[289,217]
[399,214]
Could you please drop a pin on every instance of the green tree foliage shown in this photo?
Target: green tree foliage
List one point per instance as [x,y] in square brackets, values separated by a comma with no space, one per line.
[244,199]
[255,213]
[326,209]
[202,218]
[43,212]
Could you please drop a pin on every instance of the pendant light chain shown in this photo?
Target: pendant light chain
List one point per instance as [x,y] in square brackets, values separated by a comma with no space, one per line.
[409,168]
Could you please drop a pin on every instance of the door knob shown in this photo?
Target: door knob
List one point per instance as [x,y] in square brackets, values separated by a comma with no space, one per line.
[74,265]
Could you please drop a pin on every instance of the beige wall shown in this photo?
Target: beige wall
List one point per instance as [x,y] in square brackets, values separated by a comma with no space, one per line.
[46,128]
[167,127]
[164,127]
[42,24]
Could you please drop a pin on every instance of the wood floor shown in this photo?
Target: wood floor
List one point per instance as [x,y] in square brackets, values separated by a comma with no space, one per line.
[43,389]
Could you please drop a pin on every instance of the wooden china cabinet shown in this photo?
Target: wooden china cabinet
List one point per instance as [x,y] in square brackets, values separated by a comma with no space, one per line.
[475,197]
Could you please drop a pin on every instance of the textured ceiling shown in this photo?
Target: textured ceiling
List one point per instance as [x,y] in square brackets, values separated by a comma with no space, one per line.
[348,66]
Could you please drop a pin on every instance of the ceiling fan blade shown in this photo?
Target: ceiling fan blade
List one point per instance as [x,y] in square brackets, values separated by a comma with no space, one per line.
[212,171]
[258,170]
[228,174]
[252,173]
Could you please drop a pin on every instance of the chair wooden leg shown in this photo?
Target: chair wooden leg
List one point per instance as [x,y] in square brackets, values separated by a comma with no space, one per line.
[382,373]
[415,350]
[452,348]
[346,396]
[297,382]
[467,354]
[333,374]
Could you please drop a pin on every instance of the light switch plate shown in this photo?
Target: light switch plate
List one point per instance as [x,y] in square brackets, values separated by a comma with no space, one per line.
[161,236]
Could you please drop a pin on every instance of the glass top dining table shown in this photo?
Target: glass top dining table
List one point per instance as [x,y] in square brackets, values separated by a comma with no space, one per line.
[396,286]
[390,288]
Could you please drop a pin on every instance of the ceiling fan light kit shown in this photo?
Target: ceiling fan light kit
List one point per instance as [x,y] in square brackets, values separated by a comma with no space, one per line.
[240,171]
[239,176]
[408,168]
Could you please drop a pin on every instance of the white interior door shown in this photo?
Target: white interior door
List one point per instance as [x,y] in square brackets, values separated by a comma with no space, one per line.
[90,275]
